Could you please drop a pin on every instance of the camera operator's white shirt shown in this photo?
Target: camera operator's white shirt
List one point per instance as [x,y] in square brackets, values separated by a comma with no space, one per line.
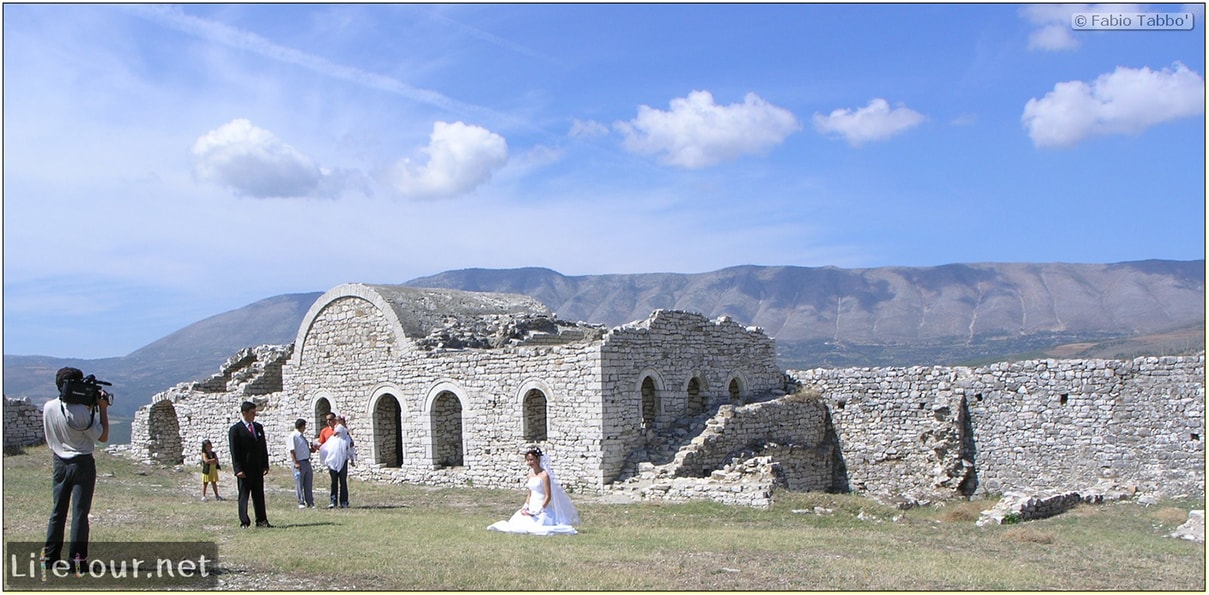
[66,435]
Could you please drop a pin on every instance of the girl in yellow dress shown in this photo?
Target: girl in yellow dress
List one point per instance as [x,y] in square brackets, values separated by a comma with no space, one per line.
[209,469]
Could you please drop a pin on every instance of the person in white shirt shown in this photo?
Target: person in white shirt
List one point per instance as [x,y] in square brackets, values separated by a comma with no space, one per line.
[72,430]
[300,454]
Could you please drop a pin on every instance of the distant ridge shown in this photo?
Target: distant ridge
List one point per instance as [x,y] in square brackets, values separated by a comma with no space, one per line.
[887,305]
[820,316]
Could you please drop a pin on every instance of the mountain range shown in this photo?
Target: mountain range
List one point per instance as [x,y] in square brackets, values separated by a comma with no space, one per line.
[820,316]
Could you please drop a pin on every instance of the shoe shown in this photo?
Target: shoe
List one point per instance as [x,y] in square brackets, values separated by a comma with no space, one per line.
[264,525]
[219,498]
[302,506]
[331,505]
[205,499]
[244,525]
[345,505]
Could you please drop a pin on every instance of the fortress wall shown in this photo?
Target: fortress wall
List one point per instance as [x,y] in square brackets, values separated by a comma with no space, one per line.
[1060,424]
[672,348]
[352,360]
[22,423]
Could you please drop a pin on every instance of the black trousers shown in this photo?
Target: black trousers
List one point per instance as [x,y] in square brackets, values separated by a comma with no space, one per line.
[339,485]
[251,484]
[73,482]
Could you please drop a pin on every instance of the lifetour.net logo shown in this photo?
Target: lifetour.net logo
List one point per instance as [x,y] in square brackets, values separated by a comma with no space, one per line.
[117,566]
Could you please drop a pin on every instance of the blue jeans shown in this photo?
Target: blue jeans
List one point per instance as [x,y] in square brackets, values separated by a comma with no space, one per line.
[74,480]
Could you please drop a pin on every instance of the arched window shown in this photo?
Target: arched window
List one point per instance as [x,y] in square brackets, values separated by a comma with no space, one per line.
[534,411]
[322,408]
[736,392]
[696,400]
[447,430]
[650,402]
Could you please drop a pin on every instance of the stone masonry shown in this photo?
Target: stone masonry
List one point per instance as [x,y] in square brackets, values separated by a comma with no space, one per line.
[448,388]
[922,432]
[22,423]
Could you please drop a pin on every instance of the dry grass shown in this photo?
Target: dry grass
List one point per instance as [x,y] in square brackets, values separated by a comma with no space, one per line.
[805,394]
[1027,535]
[1171,516]
[963,511]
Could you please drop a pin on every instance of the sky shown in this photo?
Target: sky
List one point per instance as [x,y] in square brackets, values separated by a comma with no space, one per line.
[168,163]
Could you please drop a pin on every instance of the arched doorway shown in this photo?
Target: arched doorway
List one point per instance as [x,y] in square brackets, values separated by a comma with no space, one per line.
[446,416]
[388,431]
[164,435]
[322,408]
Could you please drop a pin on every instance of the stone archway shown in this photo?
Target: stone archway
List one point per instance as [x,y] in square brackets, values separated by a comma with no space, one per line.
[650,402]
[322,407]
[735,389]
[696,399]
[446,417]
[388,431]
[164,435]
[534,413]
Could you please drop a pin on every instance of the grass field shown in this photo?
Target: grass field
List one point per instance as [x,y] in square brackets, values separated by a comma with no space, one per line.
[402,537]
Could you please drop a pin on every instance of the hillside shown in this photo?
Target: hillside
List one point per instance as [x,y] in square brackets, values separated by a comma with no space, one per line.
[952,314]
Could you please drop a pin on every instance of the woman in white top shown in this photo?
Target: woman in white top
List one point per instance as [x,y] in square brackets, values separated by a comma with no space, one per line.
[547,509]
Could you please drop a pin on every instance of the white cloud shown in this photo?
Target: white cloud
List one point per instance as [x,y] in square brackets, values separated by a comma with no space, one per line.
[698,133]
[873,122]
[1125,101]
[254,162]
[461,157]
[1053,31]
[587,129]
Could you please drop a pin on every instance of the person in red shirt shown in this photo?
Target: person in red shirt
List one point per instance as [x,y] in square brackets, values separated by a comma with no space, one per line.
[329,430]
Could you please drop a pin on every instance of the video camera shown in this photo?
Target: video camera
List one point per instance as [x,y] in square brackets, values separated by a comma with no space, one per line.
[85,392]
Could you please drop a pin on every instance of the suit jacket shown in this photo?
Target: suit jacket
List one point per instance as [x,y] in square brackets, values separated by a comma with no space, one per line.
[249,453]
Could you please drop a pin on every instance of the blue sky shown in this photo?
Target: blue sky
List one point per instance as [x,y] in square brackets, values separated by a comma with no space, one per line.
[164,164]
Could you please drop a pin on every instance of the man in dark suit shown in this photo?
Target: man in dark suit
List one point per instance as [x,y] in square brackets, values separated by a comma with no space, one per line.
[250,462]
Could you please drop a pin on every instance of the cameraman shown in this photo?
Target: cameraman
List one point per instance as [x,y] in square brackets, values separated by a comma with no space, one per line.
[72,429]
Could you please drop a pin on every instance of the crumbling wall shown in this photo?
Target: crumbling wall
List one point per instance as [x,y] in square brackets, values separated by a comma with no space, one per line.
[677,350]
[791,430]
[743,454]
[22,423]
[1052,424]
[170,429]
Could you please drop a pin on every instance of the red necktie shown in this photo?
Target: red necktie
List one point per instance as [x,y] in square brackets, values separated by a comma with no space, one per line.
[252,429]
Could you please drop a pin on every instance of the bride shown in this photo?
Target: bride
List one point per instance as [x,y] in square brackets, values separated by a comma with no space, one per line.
[547,510]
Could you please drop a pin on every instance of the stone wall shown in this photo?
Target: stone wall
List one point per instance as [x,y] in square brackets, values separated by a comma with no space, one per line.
[353,359]
[22,423]
[1057,424]
[792,430]
[680,407]
[743,454]
[170,429]
[682,358]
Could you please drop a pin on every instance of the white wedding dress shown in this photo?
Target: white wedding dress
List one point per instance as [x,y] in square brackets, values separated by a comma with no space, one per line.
[557,518]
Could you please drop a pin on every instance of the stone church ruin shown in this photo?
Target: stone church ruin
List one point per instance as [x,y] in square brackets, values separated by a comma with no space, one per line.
[448,388]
